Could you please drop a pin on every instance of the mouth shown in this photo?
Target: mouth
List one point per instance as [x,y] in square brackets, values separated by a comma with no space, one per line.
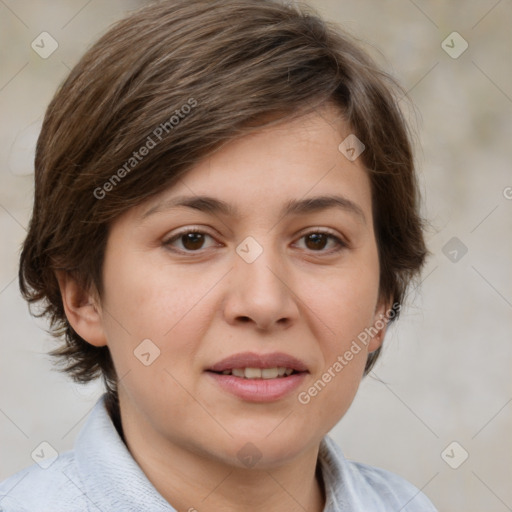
[259,377]
[250,365]
[278,372]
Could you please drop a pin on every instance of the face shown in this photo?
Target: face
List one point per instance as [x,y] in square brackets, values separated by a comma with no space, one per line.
[264,257]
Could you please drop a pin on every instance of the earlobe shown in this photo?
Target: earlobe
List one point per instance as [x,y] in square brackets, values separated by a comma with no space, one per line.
[82,310]
[379,326]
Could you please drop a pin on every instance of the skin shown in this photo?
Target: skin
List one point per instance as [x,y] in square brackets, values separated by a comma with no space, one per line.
[308,300]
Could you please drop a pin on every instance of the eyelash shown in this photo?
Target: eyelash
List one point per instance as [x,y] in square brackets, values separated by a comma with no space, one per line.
[340,243]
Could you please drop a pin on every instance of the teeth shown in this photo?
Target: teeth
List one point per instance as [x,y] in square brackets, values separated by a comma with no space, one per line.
[269,373]
[253,373]
[259,373]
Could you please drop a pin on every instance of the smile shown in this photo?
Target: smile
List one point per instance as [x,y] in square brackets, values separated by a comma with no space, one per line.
[260,373]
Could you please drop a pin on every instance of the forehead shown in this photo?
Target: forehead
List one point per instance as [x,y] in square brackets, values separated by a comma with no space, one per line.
[267,170]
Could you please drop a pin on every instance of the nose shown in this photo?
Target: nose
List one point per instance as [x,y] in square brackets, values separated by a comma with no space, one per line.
[261,293]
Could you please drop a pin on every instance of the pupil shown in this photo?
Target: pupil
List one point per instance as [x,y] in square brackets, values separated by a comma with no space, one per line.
[318,240]
[193,241]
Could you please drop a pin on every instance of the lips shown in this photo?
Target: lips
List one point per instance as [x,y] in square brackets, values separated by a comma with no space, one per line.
[259,378]
[262,361]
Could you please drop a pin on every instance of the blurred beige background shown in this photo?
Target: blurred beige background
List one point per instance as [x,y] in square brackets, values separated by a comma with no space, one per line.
[443,389]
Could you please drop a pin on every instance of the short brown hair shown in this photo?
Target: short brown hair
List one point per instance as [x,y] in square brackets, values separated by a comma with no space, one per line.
[204,72]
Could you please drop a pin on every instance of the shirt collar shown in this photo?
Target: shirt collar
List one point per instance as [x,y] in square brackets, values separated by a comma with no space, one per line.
[335,477]
[114,481]
[112,478]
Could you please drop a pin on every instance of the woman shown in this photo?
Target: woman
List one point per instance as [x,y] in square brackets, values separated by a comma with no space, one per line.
[225,222]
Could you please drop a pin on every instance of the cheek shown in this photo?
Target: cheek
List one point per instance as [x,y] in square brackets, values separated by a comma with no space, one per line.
[343,306]
[149,302]
[343,301]
[151,298]
[154,325]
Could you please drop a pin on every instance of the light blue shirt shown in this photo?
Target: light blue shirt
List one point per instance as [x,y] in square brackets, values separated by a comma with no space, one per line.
[100,475]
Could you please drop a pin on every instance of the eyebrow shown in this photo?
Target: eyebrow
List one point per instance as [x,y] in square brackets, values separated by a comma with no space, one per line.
[293,207]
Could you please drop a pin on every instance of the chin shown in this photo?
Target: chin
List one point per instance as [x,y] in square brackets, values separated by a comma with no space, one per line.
[266,451]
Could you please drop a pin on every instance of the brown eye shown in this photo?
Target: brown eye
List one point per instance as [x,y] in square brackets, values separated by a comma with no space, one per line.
[192,241]
[316,241]
[322,241]
[188,241]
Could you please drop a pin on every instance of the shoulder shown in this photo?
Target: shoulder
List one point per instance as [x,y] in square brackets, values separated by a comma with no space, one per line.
[367,487]
[35,489]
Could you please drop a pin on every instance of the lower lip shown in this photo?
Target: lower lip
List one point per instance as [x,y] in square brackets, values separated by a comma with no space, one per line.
[259,390]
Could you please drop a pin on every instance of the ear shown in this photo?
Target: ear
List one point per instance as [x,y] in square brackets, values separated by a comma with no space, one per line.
[82,310]
[380,322]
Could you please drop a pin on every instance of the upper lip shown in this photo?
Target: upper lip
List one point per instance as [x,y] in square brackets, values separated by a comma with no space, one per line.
[253,360]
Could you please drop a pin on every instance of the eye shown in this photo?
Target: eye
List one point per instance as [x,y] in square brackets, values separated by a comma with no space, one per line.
[191,240]
[194,240]
[318,240]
